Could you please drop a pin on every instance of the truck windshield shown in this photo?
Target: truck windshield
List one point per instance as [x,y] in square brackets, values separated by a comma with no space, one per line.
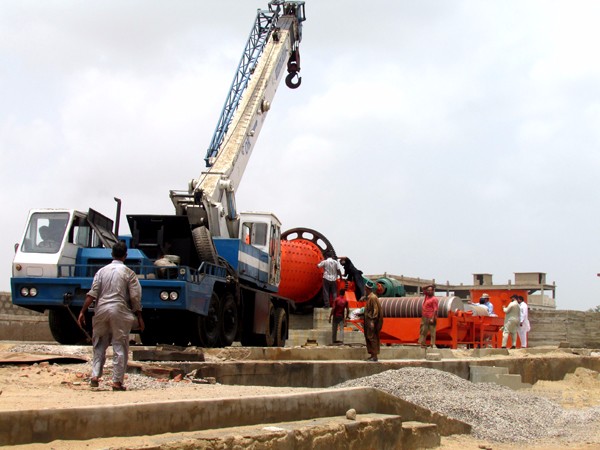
[45,232]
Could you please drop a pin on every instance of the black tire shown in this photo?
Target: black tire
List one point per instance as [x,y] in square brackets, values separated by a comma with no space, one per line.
[250,339]
[281,327]
[209,326]
[205,246]
[229,320]
[64,328]
[197,335]
[269,338]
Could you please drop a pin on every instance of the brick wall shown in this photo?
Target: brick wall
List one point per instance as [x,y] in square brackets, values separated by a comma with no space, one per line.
[6,307]
[22,324]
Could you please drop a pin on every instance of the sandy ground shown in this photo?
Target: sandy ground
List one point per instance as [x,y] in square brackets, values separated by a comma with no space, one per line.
[50,385]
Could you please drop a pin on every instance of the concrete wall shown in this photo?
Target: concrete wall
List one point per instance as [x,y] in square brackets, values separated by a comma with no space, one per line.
[561,327]
[46,425]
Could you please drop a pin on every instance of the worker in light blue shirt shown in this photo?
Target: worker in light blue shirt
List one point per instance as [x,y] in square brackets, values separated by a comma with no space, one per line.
[485,301]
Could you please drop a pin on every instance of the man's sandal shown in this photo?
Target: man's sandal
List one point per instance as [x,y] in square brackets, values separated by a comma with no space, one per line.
[118,387]
[94,383]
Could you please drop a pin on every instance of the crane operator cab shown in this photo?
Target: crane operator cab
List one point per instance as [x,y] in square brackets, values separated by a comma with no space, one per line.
[53,237]
[259,253]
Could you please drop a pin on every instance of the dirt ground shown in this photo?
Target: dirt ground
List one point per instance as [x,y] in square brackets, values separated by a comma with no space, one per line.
[50,385]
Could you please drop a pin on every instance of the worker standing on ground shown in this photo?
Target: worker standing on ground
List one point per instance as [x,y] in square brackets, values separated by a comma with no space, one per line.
[332,269]
[511,322]
[339,314]
[429,317]
[118,296]
[524,325]
[373,321]
[355,275]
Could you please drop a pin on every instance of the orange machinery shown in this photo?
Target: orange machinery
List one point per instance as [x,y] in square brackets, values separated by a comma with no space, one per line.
[458,323]
[301,250]
[500,298]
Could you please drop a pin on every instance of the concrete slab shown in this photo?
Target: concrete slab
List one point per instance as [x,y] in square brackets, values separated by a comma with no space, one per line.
[419,435]
[24,427]
[485,352]
[498,375]
[433,356]
[486,374]
[379,431]
[328,373]
[347,351]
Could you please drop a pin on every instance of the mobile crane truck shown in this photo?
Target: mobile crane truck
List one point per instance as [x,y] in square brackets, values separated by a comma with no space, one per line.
[209,275]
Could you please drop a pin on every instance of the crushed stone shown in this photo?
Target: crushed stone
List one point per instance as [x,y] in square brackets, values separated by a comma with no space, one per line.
[495,412]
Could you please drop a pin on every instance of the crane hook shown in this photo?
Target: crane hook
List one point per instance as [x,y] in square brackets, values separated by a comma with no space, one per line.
[289,80]
[293,67]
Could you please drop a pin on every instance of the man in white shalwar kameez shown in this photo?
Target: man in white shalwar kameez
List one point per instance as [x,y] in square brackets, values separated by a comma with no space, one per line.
[118,296]
[524,325]
[511,322]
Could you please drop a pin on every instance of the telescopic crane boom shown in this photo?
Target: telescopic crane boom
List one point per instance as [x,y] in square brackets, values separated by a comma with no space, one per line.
[273,44]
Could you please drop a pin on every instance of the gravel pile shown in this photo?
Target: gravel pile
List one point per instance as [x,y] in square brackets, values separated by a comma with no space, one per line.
[495,412]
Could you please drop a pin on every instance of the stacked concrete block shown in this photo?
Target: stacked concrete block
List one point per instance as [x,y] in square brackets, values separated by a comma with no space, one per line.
[420,435]
[498,375]
[320,331]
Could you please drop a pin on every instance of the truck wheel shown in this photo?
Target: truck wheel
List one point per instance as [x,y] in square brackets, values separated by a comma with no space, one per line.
[209,326]
[250,339]
[281,327]
[205,246]
[196,327]
[63,327]
[230,321]
[270,335]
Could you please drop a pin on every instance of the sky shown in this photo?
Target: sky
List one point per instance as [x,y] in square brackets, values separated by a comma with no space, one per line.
[432,139]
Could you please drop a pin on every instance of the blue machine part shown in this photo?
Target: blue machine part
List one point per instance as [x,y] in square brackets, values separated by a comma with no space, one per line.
[89,260]
[250,262]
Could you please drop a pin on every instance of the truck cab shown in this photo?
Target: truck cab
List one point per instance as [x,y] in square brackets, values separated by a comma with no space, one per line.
[53,238]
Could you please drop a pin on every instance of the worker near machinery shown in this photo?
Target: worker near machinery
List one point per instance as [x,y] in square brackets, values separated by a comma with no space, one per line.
[511,321]
[373,321]
[353,274]
[485,301]
[332,269]
[118,297]
[339,314]
[524,325]
[429,317]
